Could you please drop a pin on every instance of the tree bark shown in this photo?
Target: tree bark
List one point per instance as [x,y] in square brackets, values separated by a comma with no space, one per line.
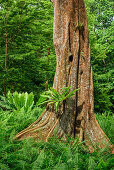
[76,116]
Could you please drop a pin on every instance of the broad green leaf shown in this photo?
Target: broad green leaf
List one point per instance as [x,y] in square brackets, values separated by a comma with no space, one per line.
[21,100]
[29,101]
[16,100]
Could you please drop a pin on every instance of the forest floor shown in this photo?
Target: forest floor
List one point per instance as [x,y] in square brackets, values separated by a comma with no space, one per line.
[52,155]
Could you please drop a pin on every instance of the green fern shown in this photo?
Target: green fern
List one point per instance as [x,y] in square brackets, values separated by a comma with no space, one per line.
[29,101]
[17,101]
[55,154]
[53,97]
[5,104]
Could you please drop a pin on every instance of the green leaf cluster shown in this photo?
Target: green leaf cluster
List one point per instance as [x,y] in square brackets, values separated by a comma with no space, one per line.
[101,30]
[18,101]
[53,97]
[27,26]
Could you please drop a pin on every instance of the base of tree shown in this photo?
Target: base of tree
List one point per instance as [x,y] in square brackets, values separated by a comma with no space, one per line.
[48,124]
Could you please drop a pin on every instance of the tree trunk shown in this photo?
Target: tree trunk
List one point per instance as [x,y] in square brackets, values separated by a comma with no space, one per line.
[6,52]
[76,116]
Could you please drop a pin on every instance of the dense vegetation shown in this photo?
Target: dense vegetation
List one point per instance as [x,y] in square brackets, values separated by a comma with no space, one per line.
[26,48]
[56,154]
[27,61]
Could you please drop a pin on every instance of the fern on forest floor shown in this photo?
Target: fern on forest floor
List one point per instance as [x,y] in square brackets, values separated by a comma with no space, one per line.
[17,101]
[55,154]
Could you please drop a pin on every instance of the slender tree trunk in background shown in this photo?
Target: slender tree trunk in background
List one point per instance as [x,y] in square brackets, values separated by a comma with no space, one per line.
[76,116]
[47,76]
[6,51]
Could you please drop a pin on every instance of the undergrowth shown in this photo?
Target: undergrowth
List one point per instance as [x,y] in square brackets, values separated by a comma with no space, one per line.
[52,155]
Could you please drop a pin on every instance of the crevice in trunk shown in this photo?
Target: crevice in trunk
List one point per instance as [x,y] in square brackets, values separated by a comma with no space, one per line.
[76,113]
[77,76]
[69,37]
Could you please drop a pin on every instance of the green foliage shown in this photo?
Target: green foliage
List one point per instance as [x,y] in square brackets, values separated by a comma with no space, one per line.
[30,54]
[28,28]
[55,154]
[53,97]
[108,129]
[18,101]
[101,29]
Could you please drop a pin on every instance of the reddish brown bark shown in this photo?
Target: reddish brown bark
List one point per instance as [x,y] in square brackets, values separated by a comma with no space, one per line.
[76,116]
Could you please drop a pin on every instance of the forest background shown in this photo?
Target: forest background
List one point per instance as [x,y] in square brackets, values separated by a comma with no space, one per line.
[27,61]
[27,56]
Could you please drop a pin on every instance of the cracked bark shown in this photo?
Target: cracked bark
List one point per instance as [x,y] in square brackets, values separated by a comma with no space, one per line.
[76,116]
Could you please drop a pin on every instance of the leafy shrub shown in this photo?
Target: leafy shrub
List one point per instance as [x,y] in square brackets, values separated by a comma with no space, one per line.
[17,101]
